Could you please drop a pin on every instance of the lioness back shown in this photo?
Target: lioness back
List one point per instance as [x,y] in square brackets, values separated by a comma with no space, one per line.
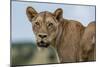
[88,43]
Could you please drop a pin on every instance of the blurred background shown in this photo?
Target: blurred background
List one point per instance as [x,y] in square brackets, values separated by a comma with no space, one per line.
[23,47]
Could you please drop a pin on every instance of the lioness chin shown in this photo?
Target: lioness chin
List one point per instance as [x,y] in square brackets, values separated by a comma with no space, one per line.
[62,34]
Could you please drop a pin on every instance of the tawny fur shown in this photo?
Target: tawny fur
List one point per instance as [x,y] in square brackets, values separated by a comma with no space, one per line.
[67,43]
[88,43]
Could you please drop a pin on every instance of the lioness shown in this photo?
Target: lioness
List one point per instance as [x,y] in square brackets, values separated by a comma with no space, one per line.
[52,29]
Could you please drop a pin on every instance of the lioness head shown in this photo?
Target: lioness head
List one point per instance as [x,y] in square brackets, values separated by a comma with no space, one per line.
[45,25]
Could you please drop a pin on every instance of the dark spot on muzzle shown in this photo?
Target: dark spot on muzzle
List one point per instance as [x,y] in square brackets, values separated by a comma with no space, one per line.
[43,44]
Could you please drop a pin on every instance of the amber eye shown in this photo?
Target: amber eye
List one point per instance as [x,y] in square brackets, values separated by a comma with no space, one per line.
[50,24]
[36,23]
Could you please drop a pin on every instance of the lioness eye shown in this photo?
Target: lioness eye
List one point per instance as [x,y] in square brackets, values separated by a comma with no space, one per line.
[50,24]
[36,23]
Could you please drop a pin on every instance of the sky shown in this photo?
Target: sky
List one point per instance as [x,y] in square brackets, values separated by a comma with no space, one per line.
[21,29]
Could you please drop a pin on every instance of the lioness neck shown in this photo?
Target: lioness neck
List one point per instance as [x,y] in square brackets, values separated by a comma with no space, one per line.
[60,33]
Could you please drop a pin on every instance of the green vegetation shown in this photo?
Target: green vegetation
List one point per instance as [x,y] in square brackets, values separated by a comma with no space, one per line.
[22,53]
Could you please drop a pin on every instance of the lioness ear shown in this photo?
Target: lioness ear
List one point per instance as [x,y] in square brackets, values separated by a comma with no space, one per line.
[31,13]
[58,14]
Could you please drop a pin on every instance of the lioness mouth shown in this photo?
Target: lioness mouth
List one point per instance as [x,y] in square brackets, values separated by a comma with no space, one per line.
[42,44]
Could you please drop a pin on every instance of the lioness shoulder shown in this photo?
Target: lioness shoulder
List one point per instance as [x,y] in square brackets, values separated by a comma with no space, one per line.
[68,40]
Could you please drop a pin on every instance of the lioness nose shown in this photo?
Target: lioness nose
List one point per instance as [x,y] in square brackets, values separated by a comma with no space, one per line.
[42,35]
